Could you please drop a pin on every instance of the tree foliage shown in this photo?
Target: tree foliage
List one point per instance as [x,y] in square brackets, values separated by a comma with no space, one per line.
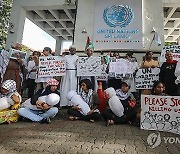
[5,11]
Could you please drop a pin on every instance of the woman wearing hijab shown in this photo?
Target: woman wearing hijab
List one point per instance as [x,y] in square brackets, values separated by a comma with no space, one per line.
[42,106]
[10,101]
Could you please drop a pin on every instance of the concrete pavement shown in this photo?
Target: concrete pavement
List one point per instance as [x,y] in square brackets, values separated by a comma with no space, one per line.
[80,137]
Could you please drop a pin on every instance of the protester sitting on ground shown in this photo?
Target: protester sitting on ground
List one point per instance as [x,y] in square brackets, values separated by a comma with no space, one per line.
[91,98]
[10,101]
[42,106]
[167,76]
[158,89]
[115,109]
[130,107]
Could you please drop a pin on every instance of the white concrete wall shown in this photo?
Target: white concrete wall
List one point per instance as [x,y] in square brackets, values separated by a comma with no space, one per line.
[152,17]
[84,19]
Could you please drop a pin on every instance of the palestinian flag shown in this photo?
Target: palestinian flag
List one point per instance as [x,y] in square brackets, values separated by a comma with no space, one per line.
[89,44]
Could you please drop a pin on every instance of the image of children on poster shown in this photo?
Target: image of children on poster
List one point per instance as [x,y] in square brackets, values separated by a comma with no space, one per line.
[145,77]
[175,49]
[14,54]
[51,66]
[160,113]
[89,66]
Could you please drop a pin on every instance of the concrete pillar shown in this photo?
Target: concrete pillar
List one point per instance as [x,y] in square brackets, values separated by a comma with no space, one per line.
[58,46]
[17,20]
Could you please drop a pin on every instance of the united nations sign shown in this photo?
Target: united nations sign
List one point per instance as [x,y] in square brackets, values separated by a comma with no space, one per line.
[118,24]
[118,15]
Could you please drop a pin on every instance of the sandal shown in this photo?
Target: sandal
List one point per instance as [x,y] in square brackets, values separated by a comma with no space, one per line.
[110,122]
[72,118]
[91,120]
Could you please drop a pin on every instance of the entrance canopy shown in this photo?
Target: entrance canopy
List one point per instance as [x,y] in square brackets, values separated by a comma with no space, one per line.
[58,18]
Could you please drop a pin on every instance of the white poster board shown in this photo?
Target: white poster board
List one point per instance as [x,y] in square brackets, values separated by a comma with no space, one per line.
[89,66]
[121,68]
[160,113]
[118,24]
[145,77]
[51,66]
[175,49]
[104,75]
[14,54]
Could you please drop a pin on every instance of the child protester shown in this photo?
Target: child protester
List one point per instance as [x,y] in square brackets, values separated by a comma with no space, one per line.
[10,101]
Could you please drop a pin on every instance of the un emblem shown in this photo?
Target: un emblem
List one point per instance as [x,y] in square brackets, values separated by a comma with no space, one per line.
[118,15]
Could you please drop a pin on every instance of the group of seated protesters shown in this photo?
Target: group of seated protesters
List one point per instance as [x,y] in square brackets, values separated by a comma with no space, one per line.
[121,106]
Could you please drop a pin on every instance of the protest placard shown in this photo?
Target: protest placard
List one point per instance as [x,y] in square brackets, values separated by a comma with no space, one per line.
[89,66]
[14,54]
[175,49]
[160,113]
[51,66]
[145,77]
[120,68]
[104,75]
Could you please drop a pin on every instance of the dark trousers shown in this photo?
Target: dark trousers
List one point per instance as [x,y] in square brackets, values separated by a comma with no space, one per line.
[178,89]
[94,116]
[109,115]
[31,87]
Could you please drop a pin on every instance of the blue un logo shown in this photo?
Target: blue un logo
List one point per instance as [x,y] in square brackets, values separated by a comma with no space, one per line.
[118,15]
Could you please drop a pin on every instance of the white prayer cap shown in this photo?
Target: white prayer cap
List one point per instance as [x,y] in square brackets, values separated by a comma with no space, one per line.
[72,47]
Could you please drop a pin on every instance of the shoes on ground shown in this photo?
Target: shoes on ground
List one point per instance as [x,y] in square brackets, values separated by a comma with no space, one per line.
[45,121]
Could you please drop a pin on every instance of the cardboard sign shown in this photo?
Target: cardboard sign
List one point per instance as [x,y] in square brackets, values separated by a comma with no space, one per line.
[145,77]
[160,113]
[14,54]
[89,66]
[104,75]
[175,49]
[51,66]
[120,69]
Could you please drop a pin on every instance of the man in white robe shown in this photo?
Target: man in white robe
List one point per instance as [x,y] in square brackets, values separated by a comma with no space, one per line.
[69,81]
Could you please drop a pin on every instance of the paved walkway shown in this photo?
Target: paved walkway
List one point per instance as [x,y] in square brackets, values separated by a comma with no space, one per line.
[79,137]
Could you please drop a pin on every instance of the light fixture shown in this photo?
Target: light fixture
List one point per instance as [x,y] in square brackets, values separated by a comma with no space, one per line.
[153,30]
[84,30]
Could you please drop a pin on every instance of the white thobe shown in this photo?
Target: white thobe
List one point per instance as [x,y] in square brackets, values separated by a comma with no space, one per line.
[69,81]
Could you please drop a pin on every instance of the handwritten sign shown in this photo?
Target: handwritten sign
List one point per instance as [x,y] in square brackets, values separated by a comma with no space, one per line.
[104,75]
[160,113]
[51,66]
[121,68]
[145,77]
[175,49]
[89,66]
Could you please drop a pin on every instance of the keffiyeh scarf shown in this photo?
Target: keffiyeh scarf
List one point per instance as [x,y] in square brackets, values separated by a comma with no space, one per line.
[121,95]
[9,85]
[87,97]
